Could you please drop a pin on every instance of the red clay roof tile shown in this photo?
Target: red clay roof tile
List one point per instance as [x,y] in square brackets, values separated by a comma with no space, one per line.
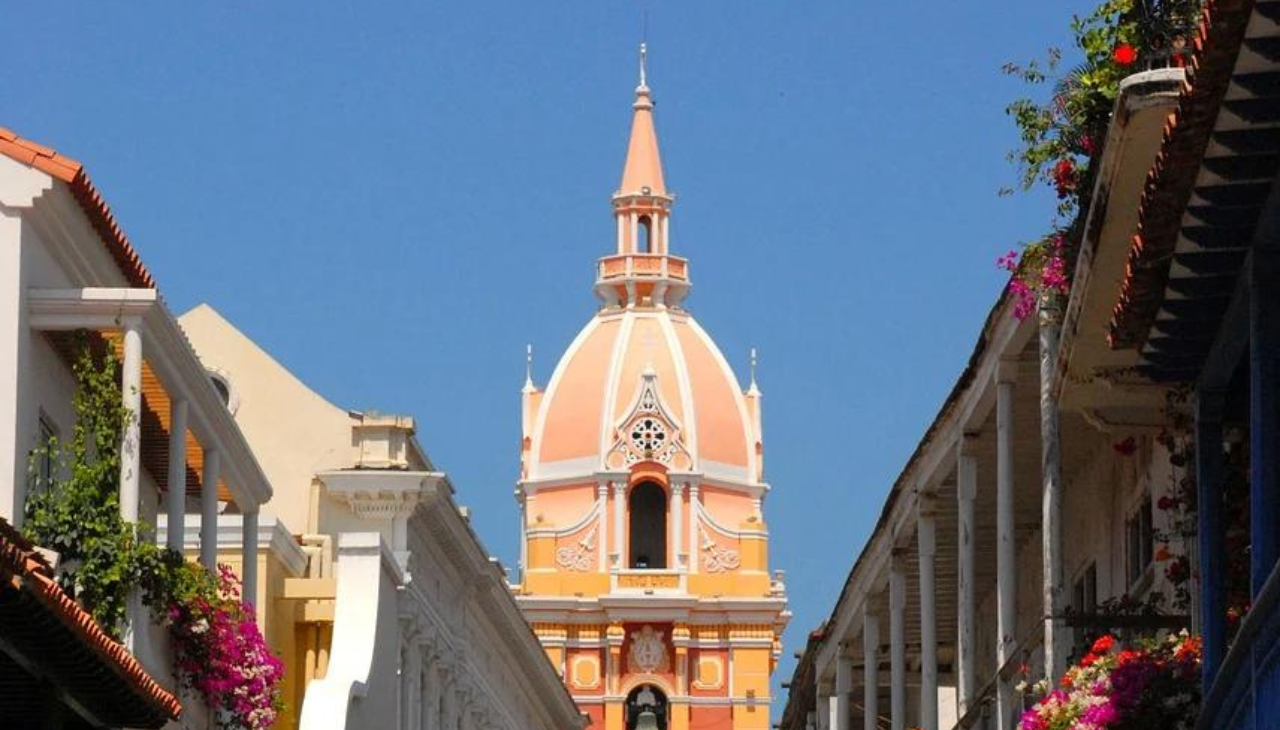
[95,207]
[18,558]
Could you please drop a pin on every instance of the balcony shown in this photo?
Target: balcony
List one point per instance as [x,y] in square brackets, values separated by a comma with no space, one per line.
[642,278]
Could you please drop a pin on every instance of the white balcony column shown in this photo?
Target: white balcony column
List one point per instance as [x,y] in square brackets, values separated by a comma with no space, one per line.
[622,234]
[844,688]
[897,642]
[177,481]
[1055,631]
[209,510]
[131,442]
[926,534]
[666,233]
[602,496]
[619,524]
[695,548]
[249,577]
[870,669]
[677,524]
[966,611]
[1006,557]
[823,707]
[635,233]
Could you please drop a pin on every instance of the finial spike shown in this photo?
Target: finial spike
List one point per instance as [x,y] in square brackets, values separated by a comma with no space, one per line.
[643,54]
[755,361]
[528,365]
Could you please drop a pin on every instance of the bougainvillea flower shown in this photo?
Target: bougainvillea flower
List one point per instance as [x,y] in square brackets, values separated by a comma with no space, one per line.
[1124,54]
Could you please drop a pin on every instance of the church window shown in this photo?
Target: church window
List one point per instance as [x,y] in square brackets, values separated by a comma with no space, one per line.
[648,509]
[648,436]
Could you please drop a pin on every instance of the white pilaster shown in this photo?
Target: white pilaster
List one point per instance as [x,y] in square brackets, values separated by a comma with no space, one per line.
[635,233]
[1006,557]
[209,510]
[177,472]
[897,642]
[131,442]
[927,543]
[695,548]
[602,496]
[677,524]
[870,669]
[619,524]
[249,577]
[966,492]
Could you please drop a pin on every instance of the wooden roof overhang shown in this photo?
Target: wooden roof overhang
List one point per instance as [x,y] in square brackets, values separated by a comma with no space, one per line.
[1205,194]
[51,649]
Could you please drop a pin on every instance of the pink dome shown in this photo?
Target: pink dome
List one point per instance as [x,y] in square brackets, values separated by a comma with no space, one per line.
[644,385]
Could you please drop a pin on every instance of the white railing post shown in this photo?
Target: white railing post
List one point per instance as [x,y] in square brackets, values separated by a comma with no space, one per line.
[177,474]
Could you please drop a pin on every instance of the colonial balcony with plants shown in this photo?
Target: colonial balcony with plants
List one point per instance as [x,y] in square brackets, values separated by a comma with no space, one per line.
[1038,555]
[108,421]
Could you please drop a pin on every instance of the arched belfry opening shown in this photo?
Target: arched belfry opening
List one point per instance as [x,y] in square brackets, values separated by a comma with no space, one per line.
[647,507]
[646,709]
[645,233]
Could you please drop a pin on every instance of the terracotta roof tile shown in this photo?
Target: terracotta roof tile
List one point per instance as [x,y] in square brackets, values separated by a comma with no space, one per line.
[23,567]
[86,193]
[1171,179]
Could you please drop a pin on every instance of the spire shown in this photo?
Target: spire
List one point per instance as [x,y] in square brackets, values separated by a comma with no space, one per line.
[642,173]
[642,271]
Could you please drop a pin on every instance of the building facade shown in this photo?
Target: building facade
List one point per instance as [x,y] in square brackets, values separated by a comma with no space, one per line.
[645,550]
[1110,465]
[386,608]
[69,274]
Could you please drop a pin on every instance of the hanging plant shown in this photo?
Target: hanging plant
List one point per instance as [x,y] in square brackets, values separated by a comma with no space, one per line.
[1061,137]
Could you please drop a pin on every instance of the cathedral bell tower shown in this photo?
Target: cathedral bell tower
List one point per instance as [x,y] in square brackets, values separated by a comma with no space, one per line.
[644,559]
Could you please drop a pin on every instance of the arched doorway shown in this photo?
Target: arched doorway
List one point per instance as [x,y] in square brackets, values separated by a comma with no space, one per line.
[647,506]
[646,709]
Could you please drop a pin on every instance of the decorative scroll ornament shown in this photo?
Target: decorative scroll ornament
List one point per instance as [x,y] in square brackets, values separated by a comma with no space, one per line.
[579,558]
[648,432]
[648,651]
[717,559]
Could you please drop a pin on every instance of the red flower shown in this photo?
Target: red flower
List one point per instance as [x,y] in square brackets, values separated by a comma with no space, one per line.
[1124,54]
[1064,177]
[1103,644]
[1126,447]
[1165,503]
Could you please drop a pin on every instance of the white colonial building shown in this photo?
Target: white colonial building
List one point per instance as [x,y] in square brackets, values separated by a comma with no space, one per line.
[394,615]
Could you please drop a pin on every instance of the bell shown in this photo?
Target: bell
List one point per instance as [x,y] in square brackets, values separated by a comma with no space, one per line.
[647,721]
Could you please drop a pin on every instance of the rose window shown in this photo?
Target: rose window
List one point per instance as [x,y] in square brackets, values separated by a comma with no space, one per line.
[648,435]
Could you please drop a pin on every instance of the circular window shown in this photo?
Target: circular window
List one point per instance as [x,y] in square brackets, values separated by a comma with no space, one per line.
[648,435]
[226,391]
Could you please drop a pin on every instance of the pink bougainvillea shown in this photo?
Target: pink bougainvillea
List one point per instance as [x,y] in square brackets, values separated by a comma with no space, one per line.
[1040,269]
[1151,686]
[222,655]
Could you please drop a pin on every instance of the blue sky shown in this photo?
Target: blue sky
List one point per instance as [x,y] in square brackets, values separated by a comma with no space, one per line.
[393,198]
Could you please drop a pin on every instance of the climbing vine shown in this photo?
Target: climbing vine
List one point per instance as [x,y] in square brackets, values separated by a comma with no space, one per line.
[73,507]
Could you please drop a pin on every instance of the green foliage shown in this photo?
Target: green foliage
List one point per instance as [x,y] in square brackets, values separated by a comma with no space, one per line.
[76,509]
